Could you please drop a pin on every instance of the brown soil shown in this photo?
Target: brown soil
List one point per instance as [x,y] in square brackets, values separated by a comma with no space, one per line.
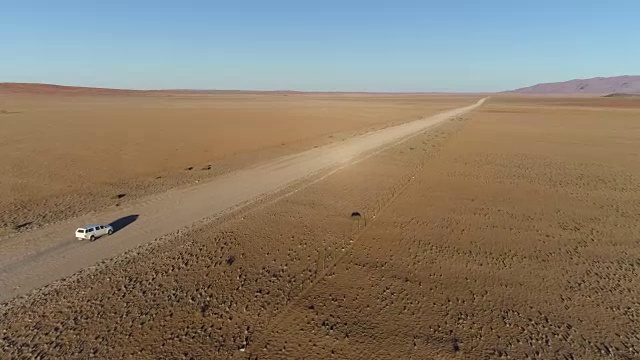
[512,234]
[576,102]
[36,258]
[63,156]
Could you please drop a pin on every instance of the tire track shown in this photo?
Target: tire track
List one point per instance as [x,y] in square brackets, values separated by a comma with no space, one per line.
[381,209]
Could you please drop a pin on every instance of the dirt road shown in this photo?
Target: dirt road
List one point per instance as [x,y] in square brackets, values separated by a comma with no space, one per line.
[34,259]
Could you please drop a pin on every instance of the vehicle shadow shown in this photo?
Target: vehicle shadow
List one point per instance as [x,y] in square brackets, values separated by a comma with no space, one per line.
[123,222]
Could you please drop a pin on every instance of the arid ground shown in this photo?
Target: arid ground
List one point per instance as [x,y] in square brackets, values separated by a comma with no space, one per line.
[65,155]
[510,232]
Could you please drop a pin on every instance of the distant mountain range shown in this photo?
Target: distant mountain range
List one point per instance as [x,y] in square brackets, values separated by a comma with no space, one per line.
[596,86]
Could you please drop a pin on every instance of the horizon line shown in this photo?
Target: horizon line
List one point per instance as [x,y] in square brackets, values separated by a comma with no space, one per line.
[202,90]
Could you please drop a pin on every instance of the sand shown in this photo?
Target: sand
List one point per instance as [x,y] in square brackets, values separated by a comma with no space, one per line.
[509,233]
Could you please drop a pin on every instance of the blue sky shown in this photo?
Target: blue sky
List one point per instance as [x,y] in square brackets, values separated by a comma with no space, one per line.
[455,45]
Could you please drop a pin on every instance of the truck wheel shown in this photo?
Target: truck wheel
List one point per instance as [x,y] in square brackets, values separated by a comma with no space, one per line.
[109,232]
[92,238]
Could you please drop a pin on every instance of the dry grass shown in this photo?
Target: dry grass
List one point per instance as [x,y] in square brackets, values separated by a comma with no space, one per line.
[64,156]
[518,241]
[208,291]
[509,235]
[576,102]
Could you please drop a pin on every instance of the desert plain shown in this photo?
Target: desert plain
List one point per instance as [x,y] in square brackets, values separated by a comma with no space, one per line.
[510,231]
[66,154]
